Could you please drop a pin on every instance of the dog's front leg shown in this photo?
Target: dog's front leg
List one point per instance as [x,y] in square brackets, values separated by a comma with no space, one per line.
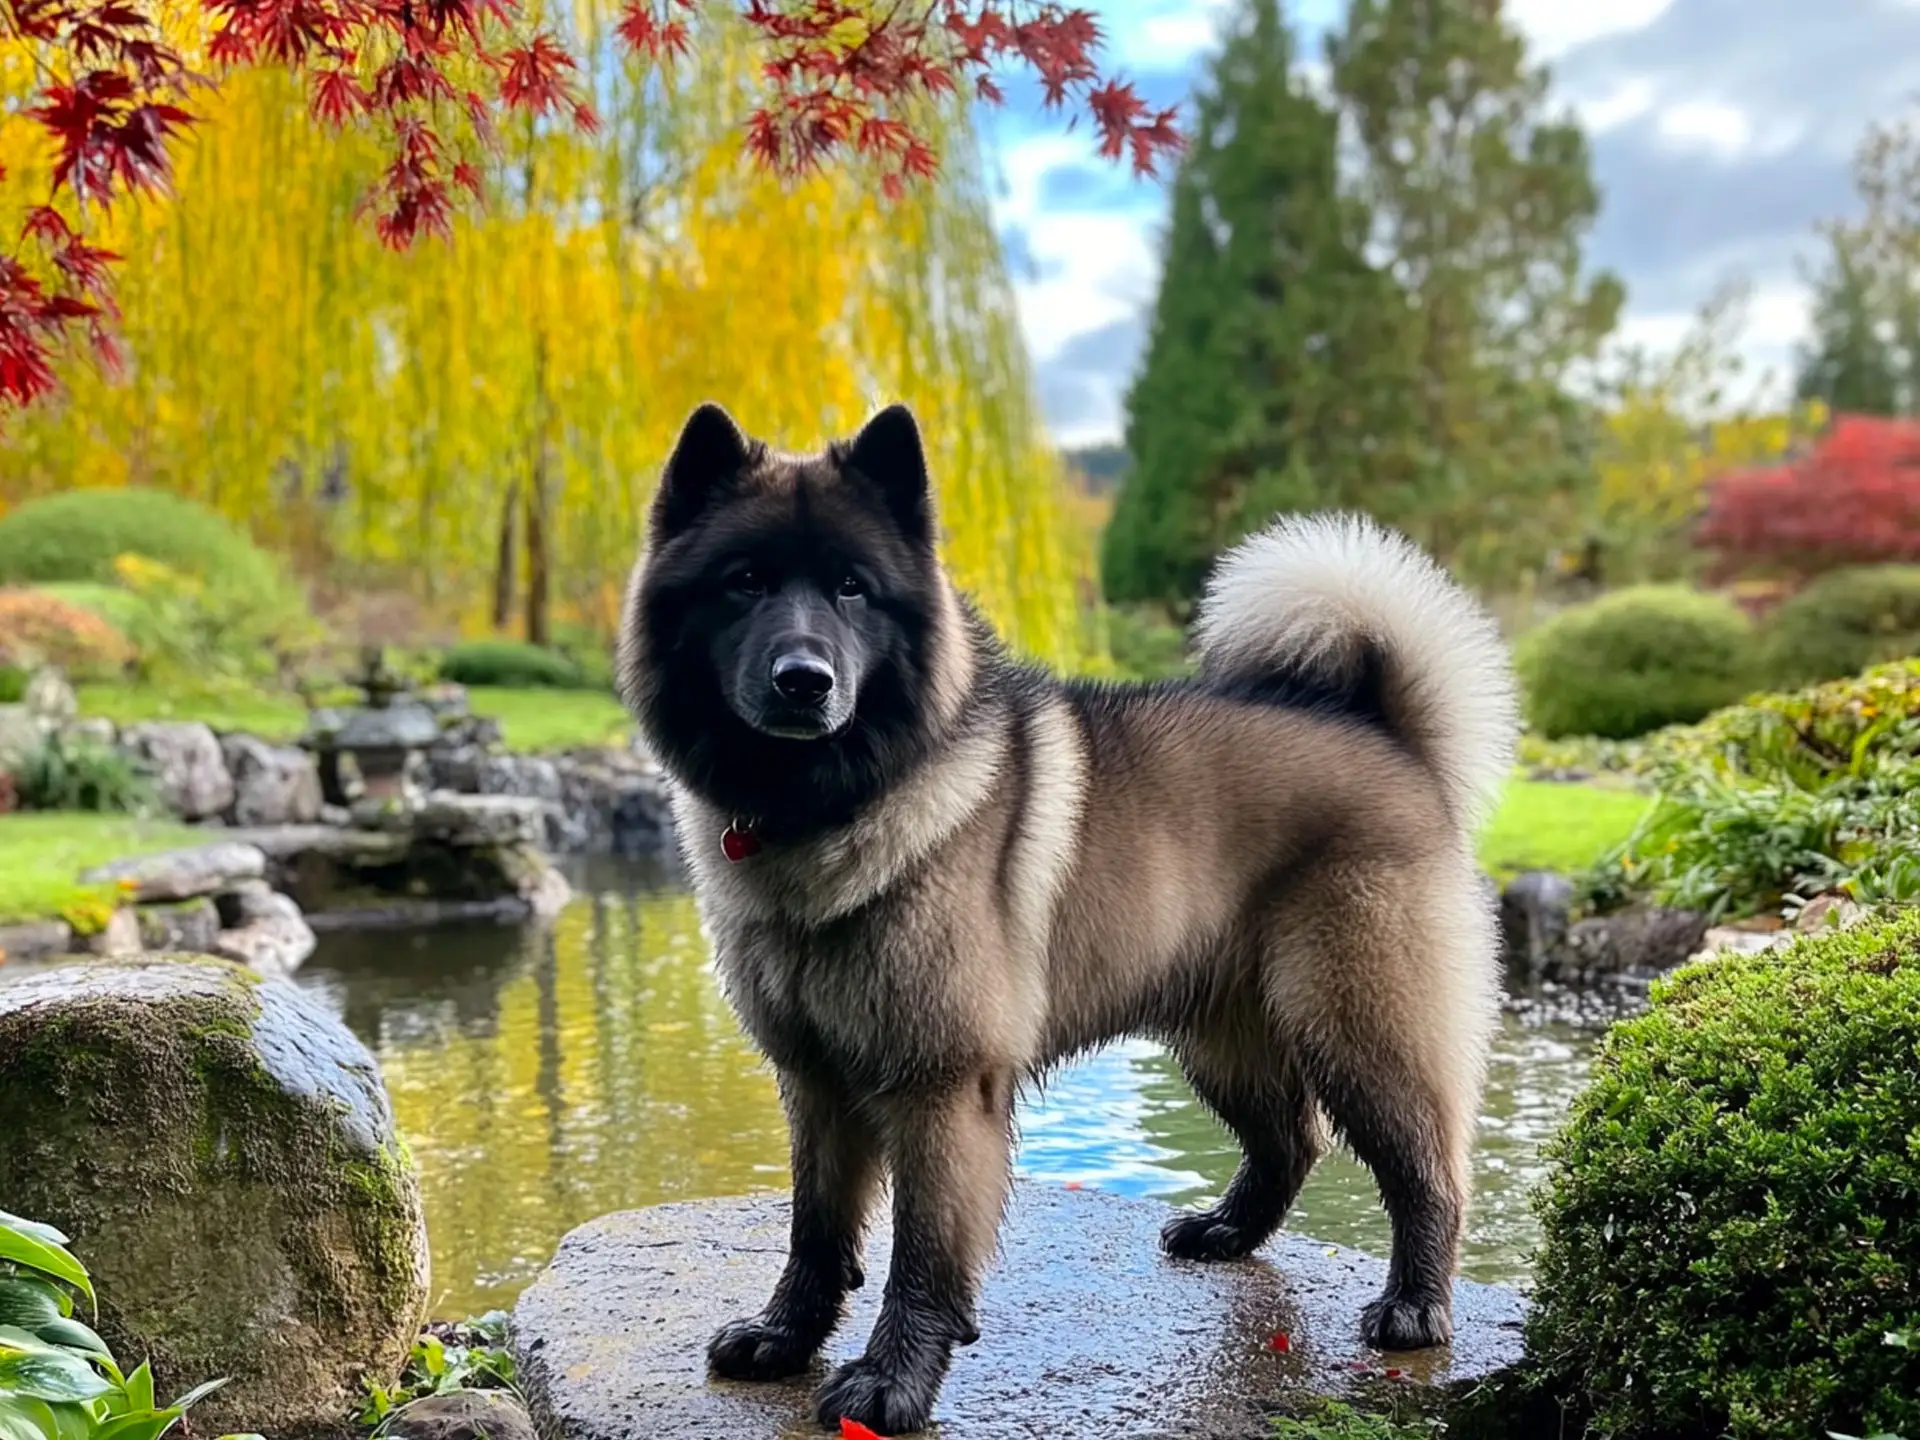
[836,1163]
[949,1156]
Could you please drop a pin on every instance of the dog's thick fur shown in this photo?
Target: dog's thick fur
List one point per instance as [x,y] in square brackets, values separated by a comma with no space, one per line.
[969,870]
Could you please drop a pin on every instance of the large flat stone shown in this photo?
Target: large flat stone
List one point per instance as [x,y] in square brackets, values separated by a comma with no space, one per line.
[183,874]
[1087,1330]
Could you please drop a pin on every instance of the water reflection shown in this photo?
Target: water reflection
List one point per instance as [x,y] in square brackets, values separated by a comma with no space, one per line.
[544,1077]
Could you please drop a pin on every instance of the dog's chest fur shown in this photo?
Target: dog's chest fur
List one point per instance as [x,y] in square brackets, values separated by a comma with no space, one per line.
[847,952]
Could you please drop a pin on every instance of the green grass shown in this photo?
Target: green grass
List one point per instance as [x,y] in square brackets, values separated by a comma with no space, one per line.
[1541,825]
[41,857]
[271,717]
[530,719]
[553,719]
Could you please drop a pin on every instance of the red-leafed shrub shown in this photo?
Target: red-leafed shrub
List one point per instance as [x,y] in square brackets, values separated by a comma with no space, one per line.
[1852,499]
[843,76]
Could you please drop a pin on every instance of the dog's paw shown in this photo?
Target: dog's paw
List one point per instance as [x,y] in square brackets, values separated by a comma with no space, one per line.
[1394,1322]
[1206,1236]
[888,1402]
[753,1349]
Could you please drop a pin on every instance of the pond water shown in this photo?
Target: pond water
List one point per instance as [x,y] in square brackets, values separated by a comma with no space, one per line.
[545,1076]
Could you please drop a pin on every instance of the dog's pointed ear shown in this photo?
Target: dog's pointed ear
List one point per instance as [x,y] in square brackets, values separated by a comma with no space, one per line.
[888,454]
[712,450]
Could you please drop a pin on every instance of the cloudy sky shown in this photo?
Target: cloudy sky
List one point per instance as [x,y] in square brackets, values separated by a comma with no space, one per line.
[1722,130]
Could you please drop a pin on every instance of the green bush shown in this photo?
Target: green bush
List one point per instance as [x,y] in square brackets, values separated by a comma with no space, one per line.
[1729,1236]
[115,604]
[77,536]
[590,652]
[58,1379]
[512,664]
[1843,622]
[1144,644]
[1780,799]
[1633,661]
[64,775]
[13,683]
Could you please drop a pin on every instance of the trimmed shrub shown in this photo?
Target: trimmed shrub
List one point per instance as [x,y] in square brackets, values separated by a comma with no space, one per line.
[1633,661]
[1729,1235]
[512,664]
[77,536]
[1843,622]
[38,628]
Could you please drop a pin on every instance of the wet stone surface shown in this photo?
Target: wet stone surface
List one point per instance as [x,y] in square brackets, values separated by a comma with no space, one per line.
[1087,1330]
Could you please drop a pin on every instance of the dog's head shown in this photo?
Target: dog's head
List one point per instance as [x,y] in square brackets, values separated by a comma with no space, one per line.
[786,606]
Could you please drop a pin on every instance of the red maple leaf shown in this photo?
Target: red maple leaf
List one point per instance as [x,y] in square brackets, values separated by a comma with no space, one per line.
[854,1430]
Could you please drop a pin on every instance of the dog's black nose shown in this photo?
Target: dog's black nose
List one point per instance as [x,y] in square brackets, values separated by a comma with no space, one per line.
[802,679]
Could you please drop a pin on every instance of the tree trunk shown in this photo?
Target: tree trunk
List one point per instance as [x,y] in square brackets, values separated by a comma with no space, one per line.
[503,561]
[539,571]
[539,576]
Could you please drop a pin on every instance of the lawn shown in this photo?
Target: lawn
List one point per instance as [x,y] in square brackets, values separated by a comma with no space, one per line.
[1541,825]
[40,856]
[530,719]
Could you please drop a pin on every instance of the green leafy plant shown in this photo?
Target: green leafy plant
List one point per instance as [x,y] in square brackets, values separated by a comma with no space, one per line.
[1727,1237]
[1782,798]
[214,630]
[1337,1421]
[1634,661]
[58,1379]
[471,1355]
[512,664]
[63,774]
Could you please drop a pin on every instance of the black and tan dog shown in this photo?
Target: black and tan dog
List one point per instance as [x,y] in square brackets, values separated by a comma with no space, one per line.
[931,873]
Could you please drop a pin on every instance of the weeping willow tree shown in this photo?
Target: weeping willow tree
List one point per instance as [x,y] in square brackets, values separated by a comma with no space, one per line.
[482,420]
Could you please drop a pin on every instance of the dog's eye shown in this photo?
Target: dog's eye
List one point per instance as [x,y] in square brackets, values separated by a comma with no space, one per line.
[746,582]
[851,588]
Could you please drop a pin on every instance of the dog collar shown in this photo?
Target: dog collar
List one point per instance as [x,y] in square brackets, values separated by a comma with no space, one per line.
[739,842]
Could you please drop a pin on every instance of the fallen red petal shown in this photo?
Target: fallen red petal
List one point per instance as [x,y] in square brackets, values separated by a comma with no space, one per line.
[1073,1184]
[854,1430]
[1281,1343]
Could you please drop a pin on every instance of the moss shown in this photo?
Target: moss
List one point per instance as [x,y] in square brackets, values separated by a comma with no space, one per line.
[236,1225]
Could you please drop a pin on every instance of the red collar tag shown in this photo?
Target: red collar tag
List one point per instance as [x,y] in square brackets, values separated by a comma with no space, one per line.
[738,843]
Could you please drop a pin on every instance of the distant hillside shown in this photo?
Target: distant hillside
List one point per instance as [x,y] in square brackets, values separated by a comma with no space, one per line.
[1099,466]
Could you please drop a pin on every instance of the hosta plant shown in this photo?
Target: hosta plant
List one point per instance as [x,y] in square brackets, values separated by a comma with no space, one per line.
[58,1379]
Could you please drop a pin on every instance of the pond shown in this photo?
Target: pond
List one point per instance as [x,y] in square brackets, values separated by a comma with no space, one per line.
[545,1076]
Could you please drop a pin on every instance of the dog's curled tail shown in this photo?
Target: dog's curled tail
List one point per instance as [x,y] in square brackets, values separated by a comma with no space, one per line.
[1336,608]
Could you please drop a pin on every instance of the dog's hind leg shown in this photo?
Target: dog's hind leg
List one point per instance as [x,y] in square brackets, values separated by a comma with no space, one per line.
[1390,996]
[949,1155]
[836,1168]
[1243,1074]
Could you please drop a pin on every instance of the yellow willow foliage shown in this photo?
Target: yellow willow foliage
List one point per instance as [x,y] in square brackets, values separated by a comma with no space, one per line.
[1655,463]
[383,416]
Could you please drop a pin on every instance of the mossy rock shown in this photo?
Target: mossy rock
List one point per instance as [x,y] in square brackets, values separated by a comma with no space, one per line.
[223,1153]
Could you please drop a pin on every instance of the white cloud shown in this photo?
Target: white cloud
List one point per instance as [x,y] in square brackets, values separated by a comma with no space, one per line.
[1161,33]
[1625,102]
[1556,26]
[1710,125]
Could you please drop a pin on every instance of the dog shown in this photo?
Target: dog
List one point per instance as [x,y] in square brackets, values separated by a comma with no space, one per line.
[930,873]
